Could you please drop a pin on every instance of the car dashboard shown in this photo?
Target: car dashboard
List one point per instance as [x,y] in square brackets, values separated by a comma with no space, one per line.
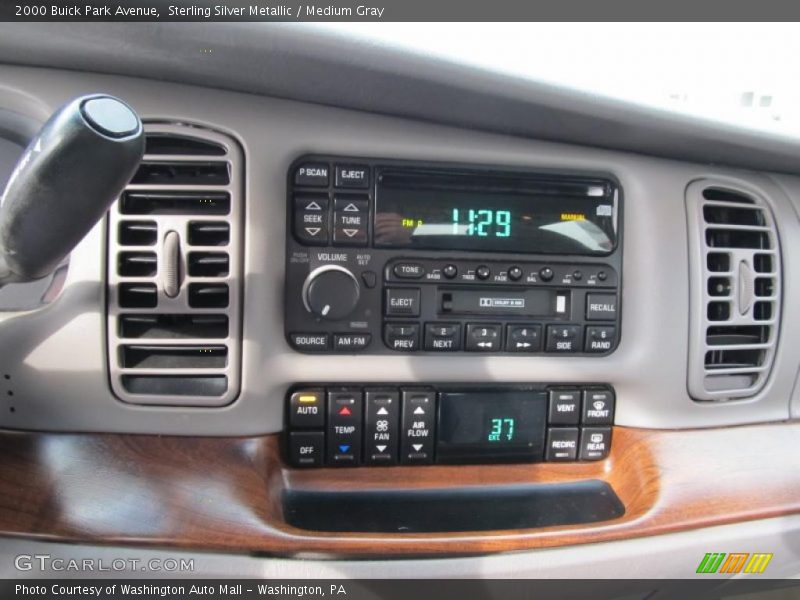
[329,335]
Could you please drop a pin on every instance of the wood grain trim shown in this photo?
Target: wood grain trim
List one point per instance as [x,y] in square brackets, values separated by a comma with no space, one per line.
[224,493]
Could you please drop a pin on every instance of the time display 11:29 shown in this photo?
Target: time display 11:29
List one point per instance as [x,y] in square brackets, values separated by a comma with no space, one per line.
[482,222]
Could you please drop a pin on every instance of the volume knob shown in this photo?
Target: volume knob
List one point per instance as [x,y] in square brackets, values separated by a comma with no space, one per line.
[331,292]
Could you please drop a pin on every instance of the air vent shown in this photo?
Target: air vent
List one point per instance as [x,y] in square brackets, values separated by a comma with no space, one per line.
[137,233]
[181,145]
[736,291]
[209,233]
[182,173]
[175,272]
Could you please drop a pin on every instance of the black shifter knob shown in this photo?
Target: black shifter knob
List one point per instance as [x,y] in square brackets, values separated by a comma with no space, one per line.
[70,173]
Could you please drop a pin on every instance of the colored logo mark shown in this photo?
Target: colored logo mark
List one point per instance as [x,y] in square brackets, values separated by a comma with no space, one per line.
[735,562]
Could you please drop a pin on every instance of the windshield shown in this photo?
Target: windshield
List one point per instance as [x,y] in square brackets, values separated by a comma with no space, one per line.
[742,74]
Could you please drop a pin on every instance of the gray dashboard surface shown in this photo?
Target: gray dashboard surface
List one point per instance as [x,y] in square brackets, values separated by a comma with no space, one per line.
[303,62]
[56,357]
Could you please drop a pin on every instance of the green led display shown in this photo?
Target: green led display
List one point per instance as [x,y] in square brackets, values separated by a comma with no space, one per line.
[501,430]
[483,223]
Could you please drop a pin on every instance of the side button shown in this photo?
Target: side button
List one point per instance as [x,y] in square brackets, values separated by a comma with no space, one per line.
[563,338]
[306,448]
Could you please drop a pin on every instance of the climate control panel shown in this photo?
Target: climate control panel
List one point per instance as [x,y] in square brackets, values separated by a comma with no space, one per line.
[384,425]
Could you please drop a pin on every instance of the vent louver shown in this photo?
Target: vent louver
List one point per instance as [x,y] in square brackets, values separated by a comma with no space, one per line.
[735,289]
[175,272]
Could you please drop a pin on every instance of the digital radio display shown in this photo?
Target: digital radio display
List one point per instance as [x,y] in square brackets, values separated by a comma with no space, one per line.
[496,213]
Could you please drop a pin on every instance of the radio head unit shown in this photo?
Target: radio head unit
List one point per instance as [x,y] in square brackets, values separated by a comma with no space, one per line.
[396,256]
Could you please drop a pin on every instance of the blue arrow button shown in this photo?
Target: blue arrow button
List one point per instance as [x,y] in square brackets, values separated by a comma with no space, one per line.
[344,448]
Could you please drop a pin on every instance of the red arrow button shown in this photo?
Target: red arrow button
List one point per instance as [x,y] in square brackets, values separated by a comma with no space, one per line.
[345,411]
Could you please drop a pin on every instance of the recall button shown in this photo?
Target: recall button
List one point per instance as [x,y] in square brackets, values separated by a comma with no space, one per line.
[408,270]
[601,307]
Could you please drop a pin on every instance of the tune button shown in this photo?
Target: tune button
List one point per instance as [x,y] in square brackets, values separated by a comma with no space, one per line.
[546,273]
[450,271]
[483,272]
[515,273]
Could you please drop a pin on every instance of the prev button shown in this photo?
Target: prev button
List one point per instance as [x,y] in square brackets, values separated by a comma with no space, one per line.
[403,337]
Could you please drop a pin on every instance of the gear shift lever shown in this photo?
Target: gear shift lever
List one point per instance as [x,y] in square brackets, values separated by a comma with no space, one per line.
[75,167]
